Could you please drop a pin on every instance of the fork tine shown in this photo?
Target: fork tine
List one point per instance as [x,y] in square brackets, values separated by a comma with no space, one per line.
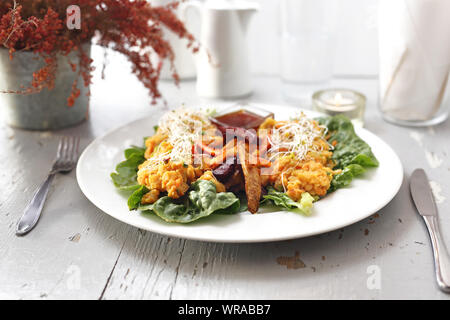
[76,146]
[60,148]
[66,148]
[73,144]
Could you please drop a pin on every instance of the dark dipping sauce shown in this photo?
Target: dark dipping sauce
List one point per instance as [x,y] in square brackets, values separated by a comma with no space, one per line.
[241,119]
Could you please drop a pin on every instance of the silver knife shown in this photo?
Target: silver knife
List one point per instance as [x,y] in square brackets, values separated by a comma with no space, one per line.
[424,201]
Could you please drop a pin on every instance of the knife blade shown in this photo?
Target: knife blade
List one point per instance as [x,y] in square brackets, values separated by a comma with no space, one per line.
[422,194]
[424,201]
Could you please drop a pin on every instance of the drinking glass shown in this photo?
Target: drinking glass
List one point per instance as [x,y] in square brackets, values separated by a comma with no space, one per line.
[307,40]
[414,46]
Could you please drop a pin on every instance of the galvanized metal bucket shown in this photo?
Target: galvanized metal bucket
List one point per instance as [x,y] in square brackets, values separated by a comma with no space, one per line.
[46,110]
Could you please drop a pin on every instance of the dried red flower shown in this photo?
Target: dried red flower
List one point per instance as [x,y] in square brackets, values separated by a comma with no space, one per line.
[131,27]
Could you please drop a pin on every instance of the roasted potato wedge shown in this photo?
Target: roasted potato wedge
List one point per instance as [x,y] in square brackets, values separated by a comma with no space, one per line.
[252,179]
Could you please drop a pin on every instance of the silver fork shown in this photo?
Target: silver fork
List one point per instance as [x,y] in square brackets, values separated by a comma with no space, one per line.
[66,159]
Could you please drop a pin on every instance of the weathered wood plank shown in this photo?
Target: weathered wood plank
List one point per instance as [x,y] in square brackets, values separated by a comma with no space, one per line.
[147,267]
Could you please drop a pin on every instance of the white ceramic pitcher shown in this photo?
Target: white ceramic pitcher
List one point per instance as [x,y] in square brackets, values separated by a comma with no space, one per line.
[223,69]
[184,58]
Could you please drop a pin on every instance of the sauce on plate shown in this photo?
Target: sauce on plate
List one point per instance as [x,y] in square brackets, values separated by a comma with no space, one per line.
[241,119]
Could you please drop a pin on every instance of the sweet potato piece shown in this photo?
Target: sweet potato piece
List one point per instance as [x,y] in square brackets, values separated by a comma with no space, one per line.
[252,179]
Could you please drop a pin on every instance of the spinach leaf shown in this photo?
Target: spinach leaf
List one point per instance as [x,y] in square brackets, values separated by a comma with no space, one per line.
[171,210]
[205,197]
[282,200]
[134,151]
[134,201]
[202,201]
[125,177]
[351,154]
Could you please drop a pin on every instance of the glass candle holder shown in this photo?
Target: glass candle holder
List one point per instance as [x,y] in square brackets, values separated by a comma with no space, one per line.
[349,103]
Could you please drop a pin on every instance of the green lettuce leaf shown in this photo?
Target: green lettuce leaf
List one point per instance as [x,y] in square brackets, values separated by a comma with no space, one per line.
[344,178]
[282,200]
[125,177]
[134,201]
[202,201]
[351,154]
[350,148]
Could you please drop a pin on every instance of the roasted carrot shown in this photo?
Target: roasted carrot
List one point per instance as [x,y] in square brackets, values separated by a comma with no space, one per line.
[229,151]
[207,149]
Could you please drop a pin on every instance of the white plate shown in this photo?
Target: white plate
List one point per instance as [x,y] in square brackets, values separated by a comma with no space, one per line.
[365,196]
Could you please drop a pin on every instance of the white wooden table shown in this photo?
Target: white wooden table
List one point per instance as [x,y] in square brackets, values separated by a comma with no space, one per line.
[77,251]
